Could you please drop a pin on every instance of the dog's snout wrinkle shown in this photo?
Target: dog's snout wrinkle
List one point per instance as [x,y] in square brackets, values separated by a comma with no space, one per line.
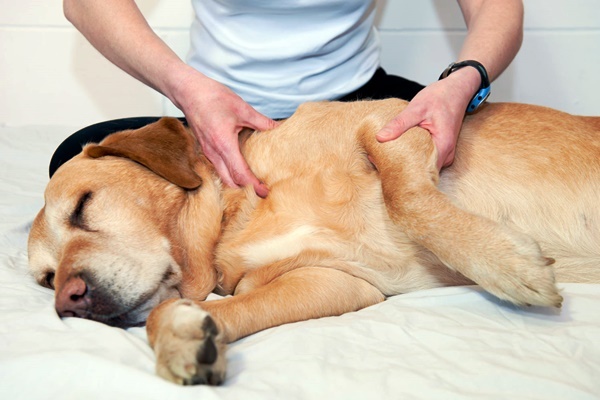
[73,300]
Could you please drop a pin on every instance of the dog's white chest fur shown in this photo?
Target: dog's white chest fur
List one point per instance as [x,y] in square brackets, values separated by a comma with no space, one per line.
[286,245]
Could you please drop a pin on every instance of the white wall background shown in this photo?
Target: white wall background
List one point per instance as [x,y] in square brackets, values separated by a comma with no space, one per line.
[49,74]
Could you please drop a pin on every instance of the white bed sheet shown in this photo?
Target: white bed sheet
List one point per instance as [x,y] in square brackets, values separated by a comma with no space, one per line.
[449,343]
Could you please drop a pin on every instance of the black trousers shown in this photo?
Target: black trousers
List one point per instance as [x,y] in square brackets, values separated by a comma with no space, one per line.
[380,86]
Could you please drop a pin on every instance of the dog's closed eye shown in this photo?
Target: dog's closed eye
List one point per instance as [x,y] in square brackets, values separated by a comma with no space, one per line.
[77,217]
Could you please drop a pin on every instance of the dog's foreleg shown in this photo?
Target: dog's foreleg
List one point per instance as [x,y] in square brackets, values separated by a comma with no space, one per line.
[506,263]
[189,337]
[297,295]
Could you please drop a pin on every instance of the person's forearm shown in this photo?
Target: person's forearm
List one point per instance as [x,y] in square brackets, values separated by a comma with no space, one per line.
[118,30]
[495,33]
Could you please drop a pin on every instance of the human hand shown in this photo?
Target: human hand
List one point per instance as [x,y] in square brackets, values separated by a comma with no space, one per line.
[439,108]
[216,116]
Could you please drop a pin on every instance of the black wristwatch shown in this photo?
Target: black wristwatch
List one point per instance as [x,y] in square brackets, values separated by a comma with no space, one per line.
[484,90]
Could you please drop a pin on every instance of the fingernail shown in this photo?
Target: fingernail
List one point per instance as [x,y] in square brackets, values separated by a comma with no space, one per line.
[381,138]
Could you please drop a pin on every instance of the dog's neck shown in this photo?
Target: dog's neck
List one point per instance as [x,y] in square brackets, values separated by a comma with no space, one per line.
[198,232]
[211,210]
[238,205]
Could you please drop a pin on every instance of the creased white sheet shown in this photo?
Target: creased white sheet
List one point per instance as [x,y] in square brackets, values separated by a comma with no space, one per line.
[449,343]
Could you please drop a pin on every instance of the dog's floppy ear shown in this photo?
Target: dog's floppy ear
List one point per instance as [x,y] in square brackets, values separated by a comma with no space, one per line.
[165,147]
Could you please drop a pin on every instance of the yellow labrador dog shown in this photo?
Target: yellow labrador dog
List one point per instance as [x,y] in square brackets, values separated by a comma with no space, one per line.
[139,228]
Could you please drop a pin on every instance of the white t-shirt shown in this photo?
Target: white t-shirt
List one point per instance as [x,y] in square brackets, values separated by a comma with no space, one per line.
[277,54]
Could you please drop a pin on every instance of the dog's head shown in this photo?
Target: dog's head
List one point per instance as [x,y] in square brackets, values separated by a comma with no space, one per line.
[112,237]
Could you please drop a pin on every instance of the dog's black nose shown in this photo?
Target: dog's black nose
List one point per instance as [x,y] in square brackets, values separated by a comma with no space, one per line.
[73,300]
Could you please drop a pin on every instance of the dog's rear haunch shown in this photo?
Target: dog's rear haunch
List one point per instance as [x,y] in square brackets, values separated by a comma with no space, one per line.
[140,228]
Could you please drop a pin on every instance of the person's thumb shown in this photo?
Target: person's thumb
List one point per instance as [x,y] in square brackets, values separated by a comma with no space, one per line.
[260,122]
[397,126]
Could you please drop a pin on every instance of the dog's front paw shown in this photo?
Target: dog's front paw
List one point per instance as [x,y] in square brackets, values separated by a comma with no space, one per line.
[523,276]
[189,348]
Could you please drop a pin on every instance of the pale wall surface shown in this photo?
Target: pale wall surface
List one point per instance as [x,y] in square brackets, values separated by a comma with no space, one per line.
[49,74]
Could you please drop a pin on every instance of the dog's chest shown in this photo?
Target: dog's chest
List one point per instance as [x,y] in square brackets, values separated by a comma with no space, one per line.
[303,228]
[284,245]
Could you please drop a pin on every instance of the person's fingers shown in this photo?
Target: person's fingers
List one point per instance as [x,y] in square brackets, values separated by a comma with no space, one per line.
[240,172]
[400,124]
[242,175]
[262,123]
[257,121]
[224,153]
[219,141]
[218,163]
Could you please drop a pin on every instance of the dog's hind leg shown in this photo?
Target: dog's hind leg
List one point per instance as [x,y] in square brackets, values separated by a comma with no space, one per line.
[505,262]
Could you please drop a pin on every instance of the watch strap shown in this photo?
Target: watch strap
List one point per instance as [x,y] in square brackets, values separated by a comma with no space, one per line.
[484,89]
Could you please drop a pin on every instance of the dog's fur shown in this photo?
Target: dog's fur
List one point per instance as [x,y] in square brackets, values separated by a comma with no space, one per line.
[140,228]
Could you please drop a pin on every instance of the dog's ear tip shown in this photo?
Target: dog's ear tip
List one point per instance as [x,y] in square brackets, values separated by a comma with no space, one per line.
[171,122]
[192,183]
[93,150]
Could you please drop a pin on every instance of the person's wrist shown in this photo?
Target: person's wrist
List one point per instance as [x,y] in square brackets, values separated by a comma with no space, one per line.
[467,81]
[473,80]
[177,84]
[460,87]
